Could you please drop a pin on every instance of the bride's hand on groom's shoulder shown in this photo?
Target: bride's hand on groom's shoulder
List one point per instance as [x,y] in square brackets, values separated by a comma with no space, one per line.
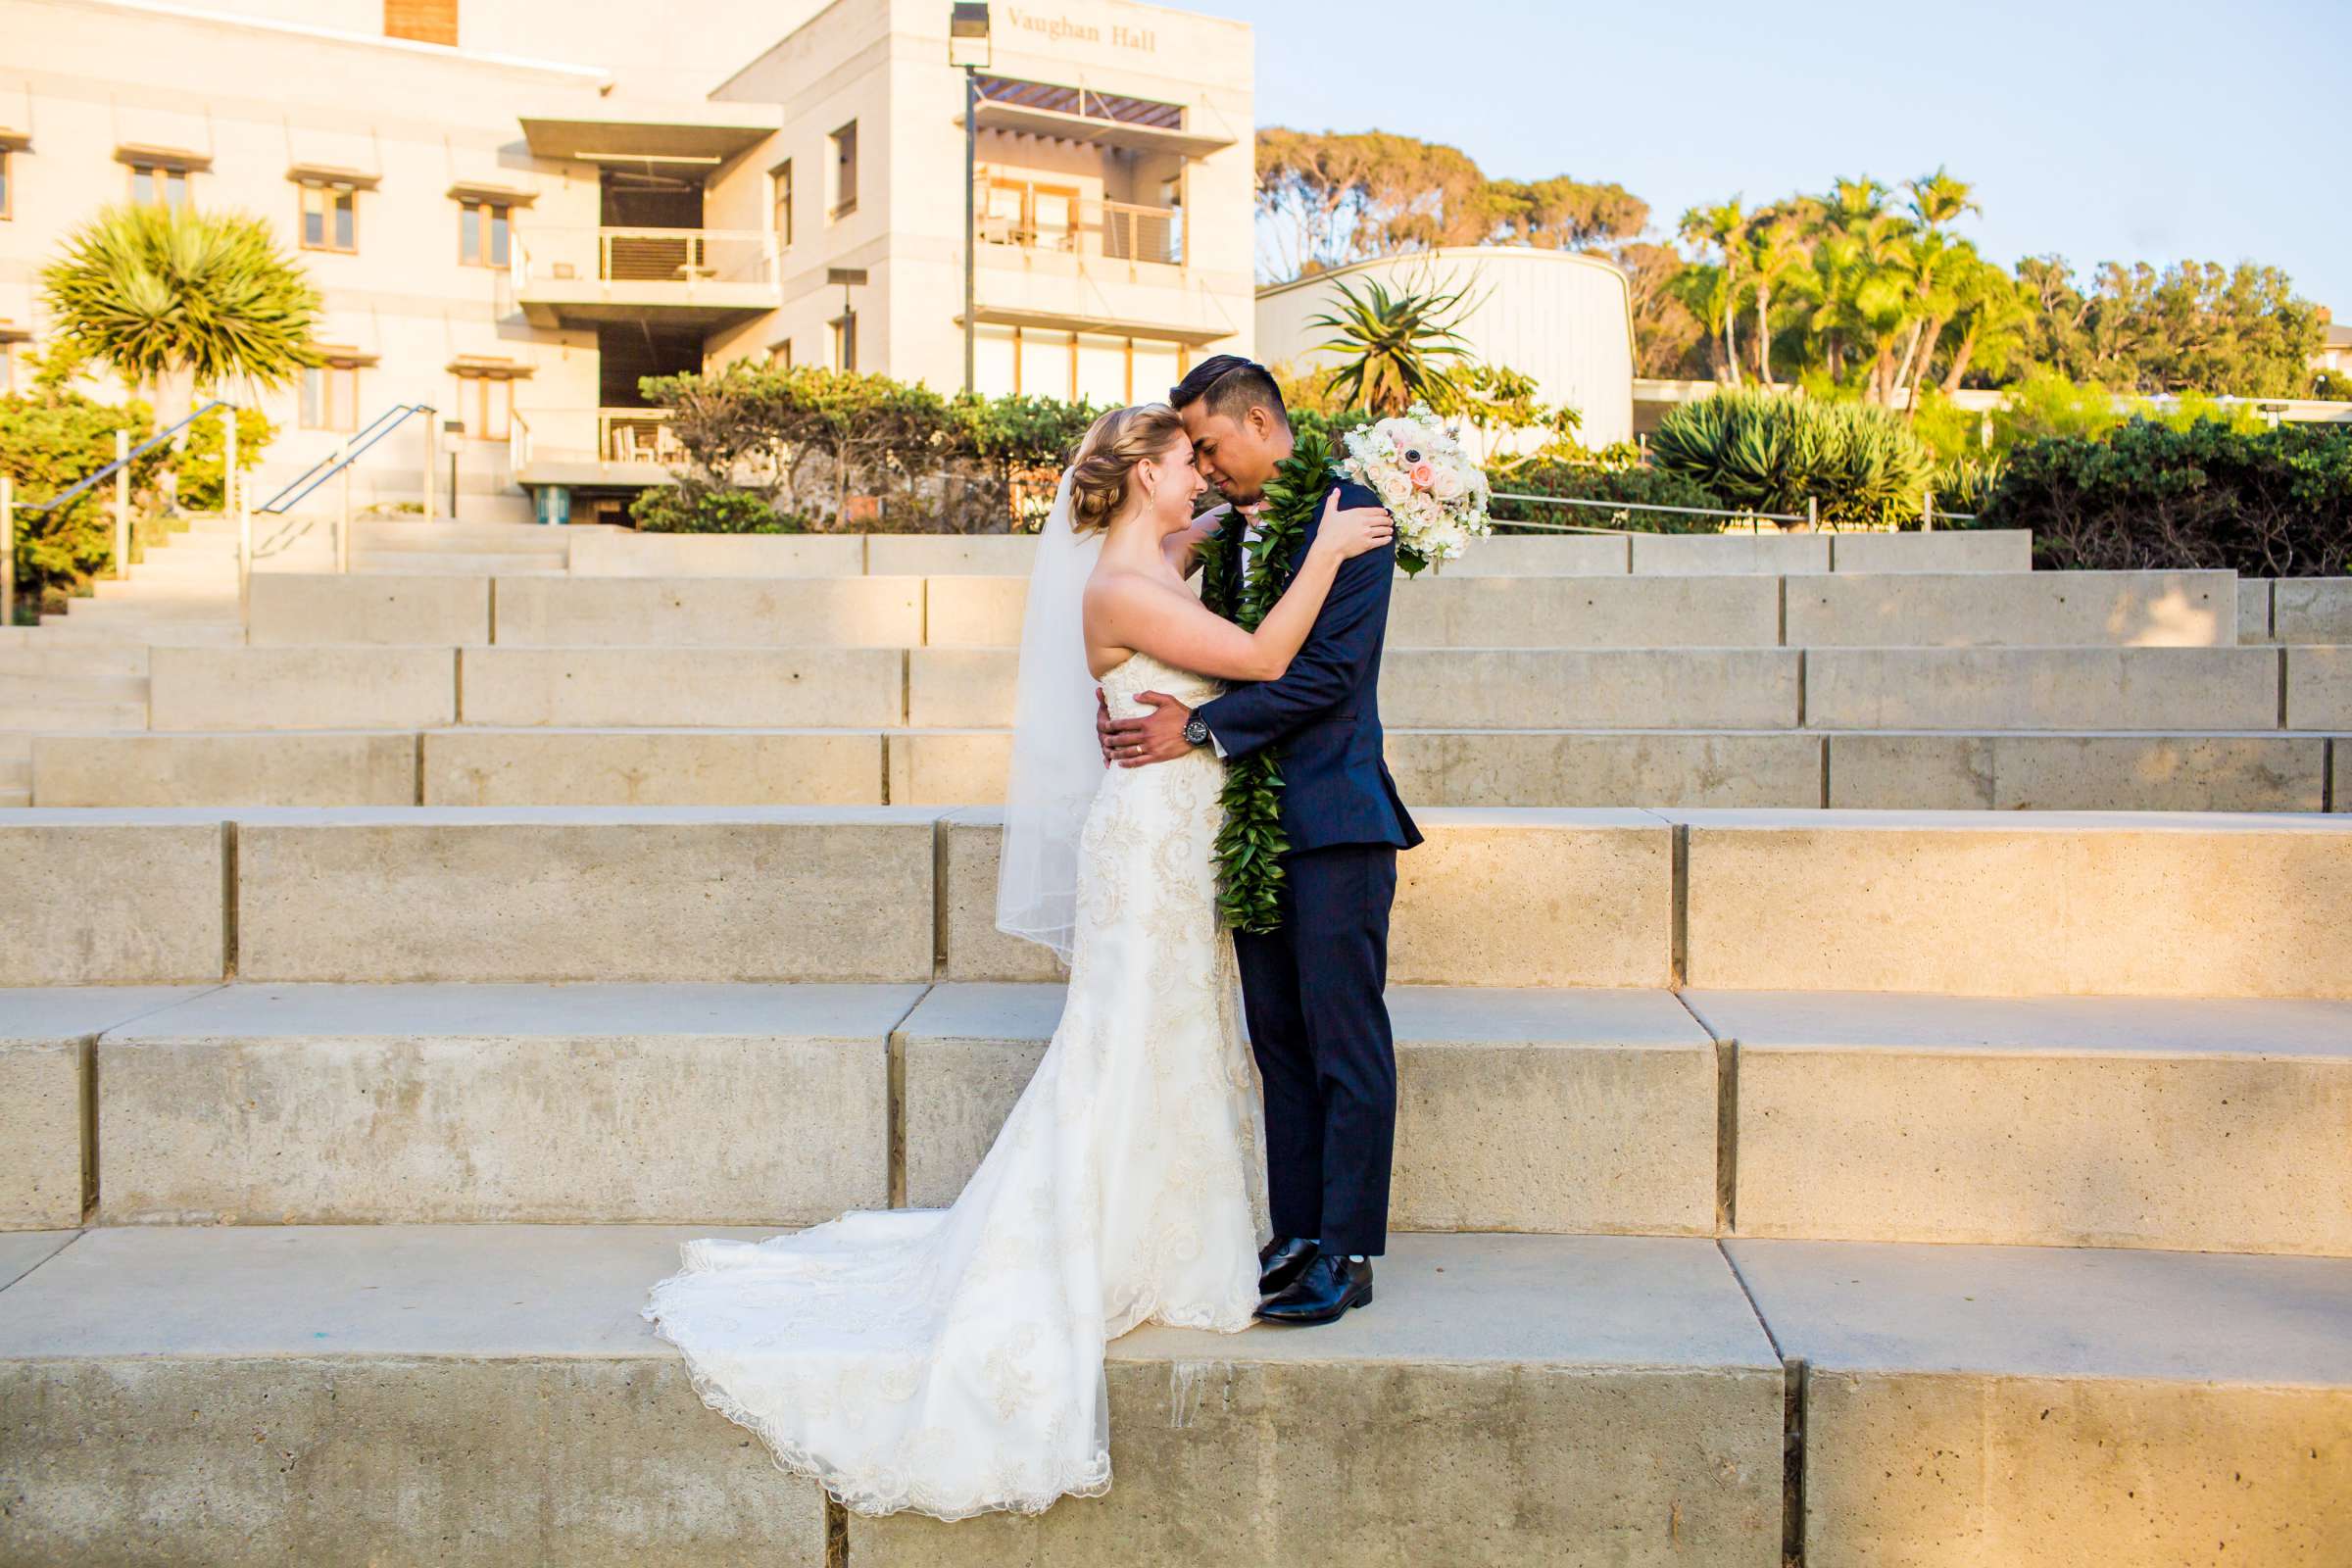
[1355,531]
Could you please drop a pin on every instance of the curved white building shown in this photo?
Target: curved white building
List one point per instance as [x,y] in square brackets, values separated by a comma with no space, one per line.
[1563,318]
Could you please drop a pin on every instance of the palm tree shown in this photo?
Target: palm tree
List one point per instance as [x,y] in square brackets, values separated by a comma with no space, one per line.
[1396,349]
[1992,318]
[1775,249]
[176,300]
[1938,201]
[1721,227]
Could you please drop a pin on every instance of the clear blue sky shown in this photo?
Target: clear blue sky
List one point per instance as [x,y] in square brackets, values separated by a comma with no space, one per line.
[2099,130]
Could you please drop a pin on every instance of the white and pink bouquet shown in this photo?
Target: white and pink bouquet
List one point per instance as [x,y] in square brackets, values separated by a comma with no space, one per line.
[1429,485]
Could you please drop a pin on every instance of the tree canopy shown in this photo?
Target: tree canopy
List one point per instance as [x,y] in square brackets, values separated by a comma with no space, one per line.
[1867,288]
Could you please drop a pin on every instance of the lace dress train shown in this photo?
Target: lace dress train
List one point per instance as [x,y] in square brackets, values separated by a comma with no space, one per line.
[950,1360]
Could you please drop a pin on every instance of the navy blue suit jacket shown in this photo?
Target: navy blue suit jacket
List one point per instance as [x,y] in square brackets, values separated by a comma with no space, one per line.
[1325,711]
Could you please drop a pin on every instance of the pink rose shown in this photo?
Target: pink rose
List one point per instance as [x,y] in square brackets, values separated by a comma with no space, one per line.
[1422,474]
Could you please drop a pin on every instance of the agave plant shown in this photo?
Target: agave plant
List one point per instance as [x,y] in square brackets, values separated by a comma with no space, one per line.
[1759,451]
[1395,349]
[174,299]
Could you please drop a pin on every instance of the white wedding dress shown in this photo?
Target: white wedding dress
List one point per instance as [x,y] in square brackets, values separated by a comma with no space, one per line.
[951,1361]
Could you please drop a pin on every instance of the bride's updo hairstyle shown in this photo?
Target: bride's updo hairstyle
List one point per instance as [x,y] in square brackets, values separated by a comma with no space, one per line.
[1106,460]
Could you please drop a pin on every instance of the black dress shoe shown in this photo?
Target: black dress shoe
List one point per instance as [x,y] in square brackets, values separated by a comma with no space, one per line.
[1282,1260]
[1330,1286]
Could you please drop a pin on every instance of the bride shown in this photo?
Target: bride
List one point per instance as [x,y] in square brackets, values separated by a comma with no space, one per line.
[950,1360]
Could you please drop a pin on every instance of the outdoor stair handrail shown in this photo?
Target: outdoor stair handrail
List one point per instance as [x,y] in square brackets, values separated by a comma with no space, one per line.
[147,445]
[335,462]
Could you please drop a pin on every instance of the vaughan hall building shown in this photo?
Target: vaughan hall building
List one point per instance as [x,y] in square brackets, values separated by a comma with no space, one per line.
[517,209]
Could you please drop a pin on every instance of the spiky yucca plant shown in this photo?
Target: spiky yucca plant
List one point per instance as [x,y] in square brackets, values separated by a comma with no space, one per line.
[174,299]
[1395,349]
[1771,452]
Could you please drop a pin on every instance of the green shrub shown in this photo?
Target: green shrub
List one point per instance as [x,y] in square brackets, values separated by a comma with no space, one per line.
[2147,496]
[680,508]
[199,463]
[1770,452]
[1645,487]
[49,442]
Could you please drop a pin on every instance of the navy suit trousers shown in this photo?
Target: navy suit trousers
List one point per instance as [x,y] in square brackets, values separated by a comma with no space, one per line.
[1312,990]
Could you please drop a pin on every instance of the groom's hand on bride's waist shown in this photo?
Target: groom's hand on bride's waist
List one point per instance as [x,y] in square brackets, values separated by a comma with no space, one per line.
[1155,737]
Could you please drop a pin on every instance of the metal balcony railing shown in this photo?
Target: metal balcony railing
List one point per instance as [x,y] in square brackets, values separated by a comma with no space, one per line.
[687,257]
[1118,231]
[601,436]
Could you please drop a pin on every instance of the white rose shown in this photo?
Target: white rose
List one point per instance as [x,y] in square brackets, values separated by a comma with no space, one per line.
[1394,487]
[1447,485]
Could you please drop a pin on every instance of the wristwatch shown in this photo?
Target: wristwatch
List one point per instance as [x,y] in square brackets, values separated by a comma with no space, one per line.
[1195,730]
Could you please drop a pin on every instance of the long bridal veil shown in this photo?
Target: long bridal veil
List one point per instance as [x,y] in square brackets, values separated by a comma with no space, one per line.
[1056,761]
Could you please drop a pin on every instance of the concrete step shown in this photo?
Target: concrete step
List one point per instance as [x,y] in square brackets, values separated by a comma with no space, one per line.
[2197,609]
[2154,691]
[463,564]
[2063,689]
[1984,904]
[619,765]
[1833,1115]
[69,713]
[258,767]
[236,687]
[58,631]
[80,686]
[82,658]
[590,1104]
[669,687]
[1581,1389]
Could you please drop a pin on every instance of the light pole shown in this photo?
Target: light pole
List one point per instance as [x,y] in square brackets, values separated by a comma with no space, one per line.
[967,46]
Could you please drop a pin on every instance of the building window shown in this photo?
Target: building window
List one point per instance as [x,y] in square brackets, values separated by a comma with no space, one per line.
[159,185]
[845,340]
[485,403]
[482,230]
[845,169]
[781,183]
[330,396]
[6,186]
[779,356]
[1029,215]
[330,217]
[8,368]
[422,21]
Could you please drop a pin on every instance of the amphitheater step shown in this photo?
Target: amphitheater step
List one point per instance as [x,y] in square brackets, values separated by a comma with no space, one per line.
[2196,608]
[729,1103]
[48,1172]
[488,1394]
[1967,902]
[56,656]
[2109,1121]
[1852,1116]
[485,765]
[2157,691]
[2048,1407]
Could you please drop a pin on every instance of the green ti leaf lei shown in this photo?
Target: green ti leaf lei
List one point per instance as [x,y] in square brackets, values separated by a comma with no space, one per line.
[1250,844]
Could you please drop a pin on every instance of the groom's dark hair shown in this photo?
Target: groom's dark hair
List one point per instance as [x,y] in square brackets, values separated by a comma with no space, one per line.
[1230,385]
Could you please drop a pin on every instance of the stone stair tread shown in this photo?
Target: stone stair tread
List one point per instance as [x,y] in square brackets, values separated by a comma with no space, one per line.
[569,1010]
[1425,1015]
[2090,1026]
[2054,1311]
[405,1291]
[489,1292]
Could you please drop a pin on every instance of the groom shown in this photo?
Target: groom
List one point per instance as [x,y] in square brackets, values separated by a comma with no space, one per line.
[1311,987]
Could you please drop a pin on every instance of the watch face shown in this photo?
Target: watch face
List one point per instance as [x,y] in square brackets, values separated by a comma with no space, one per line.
[1197,730]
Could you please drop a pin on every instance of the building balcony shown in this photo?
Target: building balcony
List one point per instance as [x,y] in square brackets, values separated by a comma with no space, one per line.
[1101,267]
[699,278]
[588,447]
[619,131]
[1080,113]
